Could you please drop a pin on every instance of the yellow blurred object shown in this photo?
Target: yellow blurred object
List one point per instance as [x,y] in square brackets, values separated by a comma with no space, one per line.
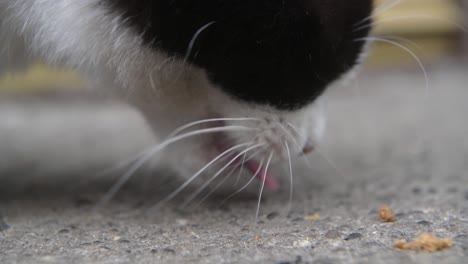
[419,17]
[429,28]
[39,78]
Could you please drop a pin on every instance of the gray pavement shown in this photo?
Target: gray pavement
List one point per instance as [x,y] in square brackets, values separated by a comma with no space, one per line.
[388,143]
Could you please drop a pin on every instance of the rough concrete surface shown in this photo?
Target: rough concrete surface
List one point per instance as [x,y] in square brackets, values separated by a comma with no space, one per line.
[389,142]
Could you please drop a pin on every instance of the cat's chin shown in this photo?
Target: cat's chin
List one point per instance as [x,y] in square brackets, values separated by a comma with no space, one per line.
[243,158]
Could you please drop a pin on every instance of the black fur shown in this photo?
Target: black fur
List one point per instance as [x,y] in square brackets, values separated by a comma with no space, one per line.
[278,52]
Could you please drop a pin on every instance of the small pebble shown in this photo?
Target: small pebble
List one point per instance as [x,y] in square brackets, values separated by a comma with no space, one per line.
[353,236]
[333,234]
[312,217]
[424,223]
[169,250]
[272,215]
[298,219]
[64,231]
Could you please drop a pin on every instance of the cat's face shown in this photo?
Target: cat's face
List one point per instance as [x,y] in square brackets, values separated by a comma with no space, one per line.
[260,65]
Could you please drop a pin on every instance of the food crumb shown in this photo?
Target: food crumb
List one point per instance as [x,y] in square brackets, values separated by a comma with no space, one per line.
[426,242]
[386,215]
[312,217]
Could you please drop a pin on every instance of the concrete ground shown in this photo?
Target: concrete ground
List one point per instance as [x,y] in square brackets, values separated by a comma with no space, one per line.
[389,143]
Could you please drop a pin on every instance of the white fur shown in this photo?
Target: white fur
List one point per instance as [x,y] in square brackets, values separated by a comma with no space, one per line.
[83,35]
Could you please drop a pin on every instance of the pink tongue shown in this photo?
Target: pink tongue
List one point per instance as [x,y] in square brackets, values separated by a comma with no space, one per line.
[270,181]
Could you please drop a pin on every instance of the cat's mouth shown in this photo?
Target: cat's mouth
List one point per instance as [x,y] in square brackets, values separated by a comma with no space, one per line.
[262,175]
[254,167]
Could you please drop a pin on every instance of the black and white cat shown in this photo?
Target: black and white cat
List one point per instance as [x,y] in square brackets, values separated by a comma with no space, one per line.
[222,80]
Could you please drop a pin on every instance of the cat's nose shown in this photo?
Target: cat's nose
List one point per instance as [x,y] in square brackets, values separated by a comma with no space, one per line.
[307,148]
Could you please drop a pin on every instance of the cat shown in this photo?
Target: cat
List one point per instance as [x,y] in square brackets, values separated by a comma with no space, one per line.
[223,81]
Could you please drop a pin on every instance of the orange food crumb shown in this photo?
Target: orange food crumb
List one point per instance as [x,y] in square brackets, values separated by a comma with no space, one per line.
[312,217]
[426,242]
[386,215]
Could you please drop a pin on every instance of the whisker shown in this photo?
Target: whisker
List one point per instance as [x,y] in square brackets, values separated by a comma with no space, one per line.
[243,161]
[301,135]
[410,42]
[246,185]
[240,170]
[379,10]
[228,175]
[321,154]
[263,185]
[242,165]
[127,162]
[196,193]
[198,173]
[331,163]
[178,130]
[409,51]
[290,178]
[151,152]
[194,38]
[113,168]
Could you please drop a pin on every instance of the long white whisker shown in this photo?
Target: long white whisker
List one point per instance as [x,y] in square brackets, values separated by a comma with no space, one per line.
[246,185]
[263,185]
[198,122]
[194,38]
[296,130]
[229,174]
[330,162]
[242,165]
[288,133]
[290,178]
[198,173]
[412,43]
[421,65]
[195,194]
[241,169]
[379,10]
[122,180]
[114,168]
[126,162]
[321,154]
[148,155]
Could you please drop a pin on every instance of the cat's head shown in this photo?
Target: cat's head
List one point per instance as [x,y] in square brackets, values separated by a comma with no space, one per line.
[261,65]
